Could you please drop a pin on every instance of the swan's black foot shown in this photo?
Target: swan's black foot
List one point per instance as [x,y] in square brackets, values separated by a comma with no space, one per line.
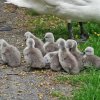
[83,39]
[84,36]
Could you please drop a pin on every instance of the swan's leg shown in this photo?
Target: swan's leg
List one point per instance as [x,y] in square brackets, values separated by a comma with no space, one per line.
[69,25]
[83,34]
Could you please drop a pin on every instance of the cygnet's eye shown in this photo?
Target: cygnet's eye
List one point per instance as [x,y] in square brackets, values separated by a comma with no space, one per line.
[87,51]
[46,37]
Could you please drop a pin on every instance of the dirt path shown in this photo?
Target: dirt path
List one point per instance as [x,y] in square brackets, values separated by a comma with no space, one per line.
[15,83]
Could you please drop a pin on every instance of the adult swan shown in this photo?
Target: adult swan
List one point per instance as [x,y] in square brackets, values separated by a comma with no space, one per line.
[75,10]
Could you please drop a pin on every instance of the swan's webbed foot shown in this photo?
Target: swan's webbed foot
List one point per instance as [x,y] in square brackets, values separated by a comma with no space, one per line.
[83,34]
[28,69]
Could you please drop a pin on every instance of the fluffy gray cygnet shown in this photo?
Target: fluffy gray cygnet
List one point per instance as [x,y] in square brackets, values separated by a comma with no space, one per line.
[10,54]
[38,42]
[52,59]
[32,55]
[72,46]
[90,59]
[68,62]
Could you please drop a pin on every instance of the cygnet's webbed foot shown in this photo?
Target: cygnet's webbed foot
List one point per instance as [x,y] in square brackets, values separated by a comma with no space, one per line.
[2,62]
[28,69]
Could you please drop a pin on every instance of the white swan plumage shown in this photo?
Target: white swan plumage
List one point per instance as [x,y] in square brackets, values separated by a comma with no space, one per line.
[78,10]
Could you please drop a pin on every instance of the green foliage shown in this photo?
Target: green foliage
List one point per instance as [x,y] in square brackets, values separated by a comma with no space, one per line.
[59,95]
[32,12]
[86,84]
[90,89]
[45,23]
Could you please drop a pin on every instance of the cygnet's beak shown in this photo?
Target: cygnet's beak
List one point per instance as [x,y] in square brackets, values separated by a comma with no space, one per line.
[25,39]
[43,39]
[83,53]
[70,49]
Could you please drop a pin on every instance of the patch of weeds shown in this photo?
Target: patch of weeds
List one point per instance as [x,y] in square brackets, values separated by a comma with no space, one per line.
[44,23]
[32,12]
[59,95]
[93,41]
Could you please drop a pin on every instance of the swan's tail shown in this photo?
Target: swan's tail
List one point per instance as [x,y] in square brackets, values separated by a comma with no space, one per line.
[37,5]
[20,3]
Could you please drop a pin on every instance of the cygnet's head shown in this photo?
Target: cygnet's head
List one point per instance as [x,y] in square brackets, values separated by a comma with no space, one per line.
[30,42]
[28,35]
[70,43]
[89,51]
[58,40]
[49,37]
[3,43]
[61,43]
[47,59]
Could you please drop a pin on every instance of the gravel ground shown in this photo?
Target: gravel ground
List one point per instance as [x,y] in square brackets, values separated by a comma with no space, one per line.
[15,83]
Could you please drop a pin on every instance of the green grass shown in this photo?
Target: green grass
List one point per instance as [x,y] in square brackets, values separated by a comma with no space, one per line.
[86,85]
[93,41]
[59,95]
[46,23]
